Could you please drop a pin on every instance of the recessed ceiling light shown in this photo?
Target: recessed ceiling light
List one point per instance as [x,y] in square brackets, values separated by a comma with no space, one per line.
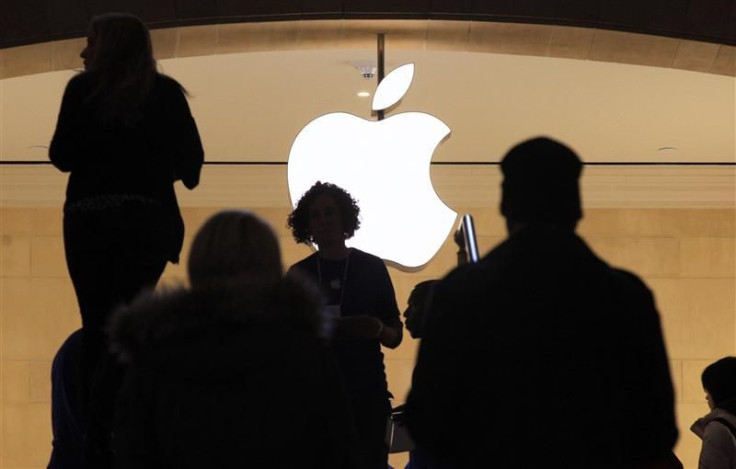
[667,149]
[363,94]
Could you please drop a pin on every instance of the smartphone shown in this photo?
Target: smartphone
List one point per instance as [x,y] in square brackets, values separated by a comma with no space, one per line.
[466,240]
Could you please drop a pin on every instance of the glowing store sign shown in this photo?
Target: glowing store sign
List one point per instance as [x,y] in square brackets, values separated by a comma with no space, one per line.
[385,165]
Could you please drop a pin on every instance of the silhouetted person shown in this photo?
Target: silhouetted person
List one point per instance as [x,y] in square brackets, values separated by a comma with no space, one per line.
[542,355]
[66,414]
[125,134]
[416,305]
[718,428]
[360,297]
[231,372]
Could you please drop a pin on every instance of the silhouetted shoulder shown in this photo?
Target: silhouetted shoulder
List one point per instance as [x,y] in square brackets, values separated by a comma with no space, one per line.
[366,258]
[303,267]
[158,317]
[169,83]
[631,281]
[465,273]
[80,79]
[468,276]
[80,84]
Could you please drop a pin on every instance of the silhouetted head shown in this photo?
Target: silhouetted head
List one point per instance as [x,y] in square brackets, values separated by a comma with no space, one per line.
[120,58]
[719,381]
[416,306]
[118,42]
[325,213]
[234,247]
[540,183]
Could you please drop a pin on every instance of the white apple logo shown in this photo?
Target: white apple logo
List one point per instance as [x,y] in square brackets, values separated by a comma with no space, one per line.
[385,166]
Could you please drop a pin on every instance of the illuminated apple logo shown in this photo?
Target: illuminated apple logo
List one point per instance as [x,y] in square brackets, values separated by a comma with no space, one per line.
[385,165]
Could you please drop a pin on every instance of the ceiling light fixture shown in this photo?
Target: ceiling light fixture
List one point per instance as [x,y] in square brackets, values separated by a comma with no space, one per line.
[367,69]
[363,94]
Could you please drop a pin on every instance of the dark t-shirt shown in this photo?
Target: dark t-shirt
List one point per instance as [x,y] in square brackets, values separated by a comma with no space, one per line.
[331,276]
[360,285]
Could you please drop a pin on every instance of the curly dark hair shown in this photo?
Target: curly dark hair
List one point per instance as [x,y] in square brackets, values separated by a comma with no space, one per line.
[298,220]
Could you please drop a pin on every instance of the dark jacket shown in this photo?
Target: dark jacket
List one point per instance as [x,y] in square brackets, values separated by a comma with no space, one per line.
[542,355]
[110,162]
[229,377]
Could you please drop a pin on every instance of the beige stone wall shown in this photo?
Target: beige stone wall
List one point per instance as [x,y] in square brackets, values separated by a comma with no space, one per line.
[685,255]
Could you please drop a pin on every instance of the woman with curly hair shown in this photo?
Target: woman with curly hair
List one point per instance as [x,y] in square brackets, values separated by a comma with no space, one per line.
[360,303]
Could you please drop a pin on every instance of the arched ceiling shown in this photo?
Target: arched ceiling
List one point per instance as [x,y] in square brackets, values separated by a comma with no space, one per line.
[616,96]
[31,21]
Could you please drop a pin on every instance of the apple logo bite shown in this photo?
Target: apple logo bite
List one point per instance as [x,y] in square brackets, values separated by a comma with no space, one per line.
[385,166]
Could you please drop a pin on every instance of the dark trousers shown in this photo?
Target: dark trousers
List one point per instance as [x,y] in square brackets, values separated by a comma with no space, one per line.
[66,418]
[112,255]
[371,416]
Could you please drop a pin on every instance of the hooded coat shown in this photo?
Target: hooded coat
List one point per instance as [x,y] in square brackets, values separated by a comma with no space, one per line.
[229,376]
[719,443]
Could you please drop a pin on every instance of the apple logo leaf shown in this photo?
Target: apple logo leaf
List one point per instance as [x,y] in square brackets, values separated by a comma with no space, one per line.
[393,87]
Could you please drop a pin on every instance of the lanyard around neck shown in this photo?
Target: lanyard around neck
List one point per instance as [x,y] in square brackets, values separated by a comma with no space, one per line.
[344,274]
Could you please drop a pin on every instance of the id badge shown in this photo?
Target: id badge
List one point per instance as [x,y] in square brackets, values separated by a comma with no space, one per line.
[330,315]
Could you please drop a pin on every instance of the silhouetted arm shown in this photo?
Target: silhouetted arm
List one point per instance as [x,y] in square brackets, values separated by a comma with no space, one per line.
[391,335]
[188,154]
[647,383]
[68,137]
[392,332]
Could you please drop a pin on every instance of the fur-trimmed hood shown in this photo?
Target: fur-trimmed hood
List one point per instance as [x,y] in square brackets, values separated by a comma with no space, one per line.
[174,316]
[228,376]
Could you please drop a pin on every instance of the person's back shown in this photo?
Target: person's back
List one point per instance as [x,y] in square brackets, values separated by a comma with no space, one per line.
[140,159]
[218,379]
[230,372]
[541,355]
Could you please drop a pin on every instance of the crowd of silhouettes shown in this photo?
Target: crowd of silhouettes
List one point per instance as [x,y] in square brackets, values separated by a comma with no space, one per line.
[539,355]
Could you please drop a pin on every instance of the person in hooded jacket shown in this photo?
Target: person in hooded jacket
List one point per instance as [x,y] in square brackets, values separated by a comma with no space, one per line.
[230,372]
[717,429]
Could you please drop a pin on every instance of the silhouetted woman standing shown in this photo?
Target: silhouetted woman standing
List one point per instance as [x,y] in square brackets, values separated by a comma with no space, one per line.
[125,134]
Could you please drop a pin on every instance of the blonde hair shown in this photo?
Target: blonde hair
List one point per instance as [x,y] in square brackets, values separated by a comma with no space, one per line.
[123,65]
[235,246]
